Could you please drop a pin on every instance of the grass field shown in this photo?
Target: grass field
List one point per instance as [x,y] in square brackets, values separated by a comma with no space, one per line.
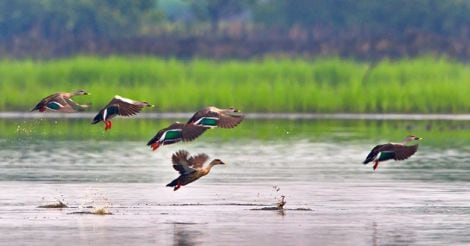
[424,85]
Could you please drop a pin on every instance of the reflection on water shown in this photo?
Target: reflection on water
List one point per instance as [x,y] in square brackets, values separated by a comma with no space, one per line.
[187,234]
[331,197]
[249,162]
[436,133]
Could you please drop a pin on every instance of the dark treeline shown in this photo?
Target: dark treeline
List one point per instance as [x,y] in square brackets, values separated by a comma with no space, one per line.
[368,29]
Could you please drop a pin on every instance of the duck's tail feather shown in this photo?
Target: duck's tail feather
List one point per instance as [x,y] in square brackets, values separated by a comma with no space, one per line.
[97,118]
[370,157]
[173,183]
[39,106]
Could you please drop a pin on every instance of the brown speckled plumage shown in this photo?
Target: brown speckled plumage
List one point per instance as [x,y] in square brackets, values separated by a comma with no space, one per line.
[190,167]
[64,102]
[227,118]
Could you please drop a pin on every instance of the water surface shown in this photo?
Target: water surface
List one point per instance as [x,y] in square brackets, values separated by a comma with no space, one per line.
[332,199]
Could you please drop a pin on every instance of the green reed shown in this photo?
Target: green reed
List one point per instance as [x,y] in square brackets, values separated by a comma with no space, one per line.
[424,85]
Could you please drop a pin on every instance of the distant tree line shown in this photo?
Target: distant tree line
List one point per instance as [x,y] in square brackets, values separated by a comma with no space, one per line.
[53,19]
[363,28]
[450,17]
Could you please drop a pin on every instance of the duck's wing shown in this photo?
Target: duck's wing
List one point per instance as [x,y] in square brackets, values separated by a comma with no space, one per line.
[125,106]
[376,150]
[198,115]
[230,120]
[181,162]
[189,132]
[225,118]
[43,103]
[403,152]
[175,126]
[197,161]
[75,106]
[59,102]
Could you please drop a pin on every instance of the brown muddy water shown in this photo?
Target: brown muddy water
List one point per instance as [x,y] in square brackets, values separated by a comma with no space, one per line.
[332,199]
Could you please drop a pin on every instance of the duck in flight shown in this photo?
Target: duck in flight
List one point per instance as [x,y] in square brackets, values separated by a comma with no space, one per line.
[392,151]
[190,168]
[202,120]
[118,106]
[62,102]
[211,117]
[174,133]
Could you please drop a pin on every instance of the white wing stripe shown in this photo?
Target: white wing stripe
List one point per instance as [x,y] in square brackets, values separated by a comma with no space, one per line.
[127,100]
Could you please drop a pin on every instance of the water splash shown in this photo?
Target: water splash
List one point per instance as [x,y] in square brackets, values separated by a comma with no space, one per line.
[281,203]
[97,202]
[101,211]
[58,203]
[280,200]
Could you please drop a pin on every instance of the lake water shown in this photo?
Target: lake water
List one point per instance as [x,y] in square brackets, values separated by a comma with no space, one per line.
[332,199]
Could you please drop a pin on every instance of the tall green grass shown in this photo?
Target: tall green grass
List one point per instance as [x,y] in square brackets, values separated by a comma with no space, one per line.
[424,85]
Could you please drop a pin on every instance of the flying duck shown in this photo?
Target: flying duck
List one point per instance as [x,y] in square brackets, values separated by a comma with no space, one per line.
[118,106]
[212,117]
[395,151]
[62,102]
[174,133]
[190,168]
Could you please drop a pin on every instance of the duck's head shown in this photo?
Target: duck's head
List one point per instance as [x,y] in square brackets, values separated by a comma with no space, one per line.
[233,112]
[410,138]
[216,162]
[81,93]
[146,104]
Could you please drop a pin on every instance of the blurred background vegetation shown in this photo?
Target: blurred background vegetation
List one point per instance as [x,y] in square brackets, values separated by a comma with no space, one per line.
[367,29]
[423,85]
[259,55]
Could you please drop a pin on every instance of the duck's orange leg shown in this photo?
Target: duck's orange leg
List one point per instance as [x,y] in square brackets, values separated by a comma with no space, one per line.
[107,125]
[376,164]
[177,186]
[155,146]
